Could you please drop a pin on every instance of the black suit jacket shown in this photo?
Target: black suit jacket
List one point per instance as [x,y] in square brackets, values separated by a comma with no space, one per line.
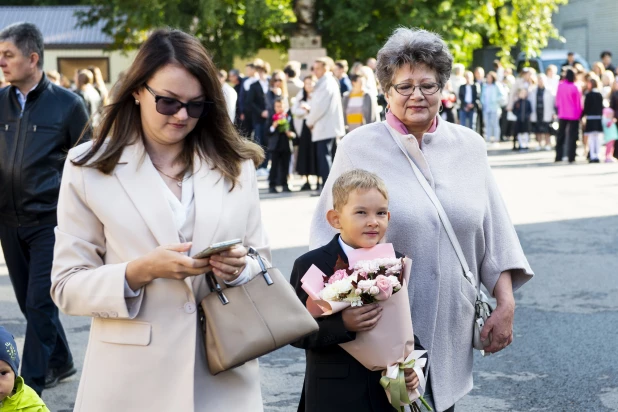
[334,380]
[475,95]
[255,103]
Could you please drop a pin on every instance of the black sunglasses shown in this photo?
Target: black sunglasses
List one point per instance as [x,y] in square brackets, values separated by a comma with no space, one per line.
[169,106]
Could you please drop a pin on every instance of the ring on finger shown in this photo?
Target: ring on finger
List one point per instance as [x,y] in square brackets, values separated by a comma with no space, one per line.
[236,272]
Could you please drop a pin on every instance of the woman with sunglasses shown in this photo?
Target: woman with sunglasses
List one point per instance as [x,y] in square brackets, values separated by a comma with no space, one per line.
[413,68]
[165,176]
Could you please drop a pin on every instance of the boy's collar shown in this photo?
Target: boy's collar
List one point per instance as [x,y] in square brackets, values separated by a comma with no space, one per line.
[346,248]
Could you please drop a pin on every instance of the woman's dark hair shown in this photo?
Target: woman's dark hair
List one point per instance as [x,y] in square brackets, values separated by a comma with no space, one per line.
[570,75]
[214,136]
[354,77]
[593,82]
[305,97]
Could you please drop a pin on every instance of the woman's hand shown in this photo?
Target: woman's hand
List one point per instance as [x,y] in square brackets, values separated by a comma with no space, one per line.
[169,262]
[411,379]
[500,323]
[229,265]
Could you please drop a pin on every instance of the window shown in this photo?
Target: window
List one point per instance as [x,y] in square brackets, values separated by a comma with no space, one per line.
[68,65]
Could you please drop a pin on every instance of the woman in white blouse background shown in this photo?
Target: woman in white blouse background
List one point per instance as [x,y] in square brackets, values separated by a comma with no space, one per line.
[165,176]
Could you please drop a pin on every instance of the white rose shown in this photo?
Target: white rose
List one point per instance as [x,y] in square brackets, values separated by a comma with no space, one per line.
[374,290]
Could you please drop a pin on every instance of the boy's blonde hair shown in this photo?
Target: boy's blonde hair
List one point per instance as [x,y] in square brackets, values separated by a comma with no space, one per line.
[356,179]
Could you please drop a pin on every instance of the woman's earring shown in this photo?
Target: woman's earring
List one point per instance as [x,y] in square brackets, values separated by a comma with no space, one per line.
[441,109]
[136,102]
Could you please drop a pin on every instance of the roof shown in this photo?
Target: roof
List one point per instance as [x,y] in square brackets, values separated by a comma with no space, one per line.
[58,25]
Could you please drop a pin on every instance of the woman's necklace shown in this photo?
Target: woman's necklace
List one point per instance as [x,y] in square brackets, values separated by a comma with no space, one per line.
[179,181]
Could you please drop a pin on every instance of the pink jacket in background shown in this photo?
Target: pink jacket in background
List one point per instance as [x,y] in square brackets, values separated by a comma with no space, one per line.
[568,101]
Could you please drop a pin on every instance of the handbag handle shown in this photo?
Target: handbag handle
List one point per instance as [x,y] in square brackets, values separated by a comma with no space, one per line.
[441,212]
[215,287]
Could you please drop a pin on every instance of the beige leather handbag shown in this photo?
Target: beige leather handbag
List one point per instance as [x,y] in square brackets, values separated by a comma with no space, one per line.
[244,322]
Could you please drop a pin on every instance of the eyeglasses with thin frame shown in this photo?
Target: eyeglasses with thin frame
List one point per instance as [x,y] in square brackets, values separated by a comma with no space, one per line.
[169,106]
[408,89]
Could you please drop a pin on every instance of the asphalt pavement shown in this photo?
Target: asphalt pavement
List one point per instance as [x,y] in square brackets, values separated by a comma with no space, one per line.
[565,353]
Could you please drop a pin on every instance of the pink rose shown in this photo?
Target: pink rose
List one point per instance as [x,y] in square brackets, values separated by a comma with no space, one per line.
[385,286]
[338,275]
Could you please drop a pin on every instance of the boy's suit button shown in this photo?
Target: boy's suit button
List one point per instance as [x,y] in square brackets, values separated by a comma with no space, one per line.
[190,307]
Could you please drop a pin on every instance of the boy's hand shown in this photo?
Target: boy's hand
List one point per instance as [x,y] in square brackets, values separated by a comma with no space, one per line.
[411,379]
[361,318]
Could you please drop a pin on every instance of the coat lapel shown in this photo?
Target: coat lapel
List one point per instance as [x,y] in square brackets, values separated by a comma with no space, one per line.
[208,188]
[138,177]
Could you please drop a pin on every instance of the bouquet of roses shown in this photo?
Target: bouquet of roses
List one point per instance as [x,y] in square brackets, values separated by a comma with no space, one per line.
[374,275]
[369,281]
[283,125]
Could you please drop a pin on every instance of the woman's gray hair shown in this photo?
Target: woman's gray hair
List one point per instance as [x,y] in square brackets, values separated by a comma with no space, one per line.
[410,47]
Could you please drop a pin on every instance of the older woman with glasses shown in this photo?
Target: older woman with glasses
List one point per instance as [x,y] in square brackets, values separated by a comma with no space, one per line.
[165,176]
[413,67]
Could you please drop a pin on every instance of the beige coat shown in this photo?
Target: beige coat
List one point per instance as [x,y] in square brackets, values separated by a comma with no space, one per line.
[145,353]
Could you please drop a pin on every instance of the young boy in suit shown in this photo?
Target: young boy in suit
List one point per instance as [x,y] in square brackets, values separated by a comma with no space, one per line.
[334,380]
[15,395]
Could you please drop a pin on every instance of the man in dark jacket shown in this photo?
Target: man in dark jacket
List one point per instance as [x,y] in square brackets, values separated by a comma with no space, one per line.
[39,123]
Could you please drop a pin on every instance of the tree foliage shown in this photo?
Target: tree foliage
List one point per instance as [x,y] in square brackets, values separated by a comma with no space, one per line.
[351,29]
[356,30]
[227,28]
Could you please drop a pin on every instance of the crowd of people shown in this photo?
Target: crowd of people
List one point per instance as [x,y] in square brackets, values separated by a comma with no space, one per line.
[556,109]
[568,103]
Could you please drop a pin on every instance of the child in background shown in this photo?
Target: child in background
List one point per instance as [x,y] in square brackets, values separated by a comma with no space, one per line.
[593,110]
[334,380]
[522,109]
[279,136]
[15,395]
[610,132]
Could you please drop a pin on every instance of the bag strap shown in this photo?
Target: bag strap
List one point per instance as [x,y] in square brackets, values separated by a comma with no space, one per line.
[436,202]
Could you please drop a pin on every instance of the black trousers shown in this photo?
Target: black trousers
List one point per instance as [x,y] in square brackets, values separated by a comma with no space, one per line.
[279,168]
[325,157]
[568,130]
[28,252]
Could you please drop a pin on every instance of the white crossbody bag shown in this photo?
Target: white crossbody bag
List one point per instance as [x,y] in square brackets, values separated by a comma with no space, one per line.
[482,306]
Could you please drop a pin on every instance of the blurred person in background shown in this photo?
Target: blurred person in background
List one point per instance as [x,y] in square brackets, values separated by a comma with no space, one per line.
[449,99]
[236,81]
[593,111]
[492,99]
[231,97]
[598,68]
[569,105]
[42,123]
[293,83]
[468,98]
[457,80]
[340,70]
[499,69]
[607,81]
[99,84]
[613,104]
[543,102]
[255,109]
[307,161]
[371,63]
[325,120]
[551,78]
[606,58]
[246,114]
[88,93]
[358,106]
[53,77]
[479,82]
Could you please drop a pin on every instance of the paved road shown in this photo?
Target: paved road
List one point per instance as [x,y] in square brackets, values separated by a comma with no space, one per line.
[565,353]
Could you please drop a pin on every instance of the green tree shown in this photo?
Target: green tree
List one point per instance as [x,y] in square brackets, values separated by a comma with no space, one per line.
[227,28]
[356,30]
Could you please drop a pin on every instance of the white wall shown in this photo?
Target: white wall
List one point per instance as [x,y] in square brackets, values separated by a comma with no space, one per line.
[118,61]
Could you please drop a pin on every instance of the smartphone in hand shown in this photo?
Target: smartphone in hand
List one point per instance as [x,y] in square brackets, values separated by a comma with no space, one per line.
[217,248]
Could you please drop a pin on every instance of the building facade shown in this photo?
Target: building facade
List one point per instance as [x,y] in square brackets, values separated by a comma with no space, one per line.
[588,28]
[68,47]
